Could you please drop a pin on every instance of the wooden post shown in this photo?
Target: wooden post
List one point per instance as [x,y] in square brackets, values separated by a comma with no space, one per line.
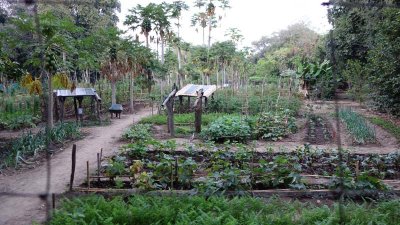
[188,102]
[56,106]
[87,175]
[198,110]
[62,108]
[53,197]
[169,103]
[76,109]
[71,181]
[180,104]
[98,166]
[92,112]
[80,99]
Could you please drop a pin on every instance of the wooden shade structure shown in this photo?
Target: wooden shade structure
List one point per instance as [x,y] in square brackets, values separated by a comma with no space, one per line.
[78,94]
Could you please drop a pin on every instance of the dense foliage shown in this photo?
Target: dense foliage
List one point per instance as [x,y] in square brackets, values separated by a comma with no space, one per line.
[217,210]
[275,125]
[233,128]
[367,49]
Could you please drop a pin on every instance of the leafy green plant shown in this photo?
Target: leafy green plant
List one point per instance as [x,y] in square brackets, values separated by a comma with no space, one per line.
[357,126]
[138,132]
[275,126]
[228,128]
[281,172]
[115,167]
[141,210]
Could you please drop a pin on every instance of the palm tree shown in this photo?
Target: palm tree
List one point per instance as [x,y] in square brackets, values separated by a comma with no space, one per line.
[162,24]
[200,19]
[143,18]
[176,12]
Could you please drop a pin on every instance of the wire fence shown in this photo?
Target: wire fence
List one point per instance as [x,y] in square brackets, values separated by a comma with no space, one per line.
[47,197]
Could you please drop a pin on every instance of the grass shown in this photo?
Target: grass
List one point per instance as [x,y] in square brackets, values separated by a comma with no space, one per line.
[357,126]
[217,210]
[387,125]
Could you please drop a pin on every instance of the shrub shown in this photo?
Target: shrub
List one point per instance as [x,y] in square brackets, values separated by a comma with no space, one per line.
[275,126]
[228,128]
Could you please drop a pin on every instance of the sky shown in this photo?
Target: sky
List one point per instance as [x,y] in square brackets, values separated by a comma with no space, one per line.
[254,18]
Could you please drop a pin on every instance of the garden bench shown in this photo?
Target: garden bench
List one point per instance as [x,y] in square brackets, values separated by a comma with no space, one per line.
[116,109]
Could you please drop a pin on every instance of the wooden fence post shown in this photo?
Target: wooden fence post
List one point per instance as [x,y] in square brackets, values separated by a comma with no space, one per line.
[88,175]
[71,181]
[198,111]
[169,103]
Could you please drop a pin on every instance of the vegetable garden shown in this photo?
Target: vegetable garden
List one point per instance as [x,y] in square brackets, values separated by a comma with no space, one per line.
[300,128]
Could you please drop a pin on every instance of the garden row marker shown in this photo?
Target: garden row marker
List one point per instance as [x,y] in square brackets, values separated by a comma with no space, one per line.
[71,181]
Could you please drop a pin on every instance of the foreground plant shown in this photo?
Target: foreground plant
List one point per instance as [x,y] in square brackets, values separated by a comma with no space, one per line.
[96,209]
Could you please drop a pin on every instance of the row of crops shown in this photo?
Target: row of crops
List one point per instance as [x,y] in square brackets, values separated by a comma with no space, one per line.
[210,168]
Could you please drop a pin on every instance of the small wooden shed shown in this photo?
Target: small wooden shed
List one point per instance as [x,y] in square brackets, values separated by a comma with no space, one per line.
[78,94]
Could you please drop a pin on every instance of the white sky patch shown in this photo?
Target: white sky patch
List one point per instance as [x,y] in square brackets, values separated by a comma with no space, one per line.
[254,18]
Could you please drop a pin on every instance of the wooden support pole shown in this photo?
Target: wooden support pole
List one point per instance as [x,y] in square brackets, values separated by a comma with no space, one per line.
[53,198]
[56,106]
[169,103]
[98,165]
[62,108]
[181,104]
[198,111]
[80,109]
[76,109]
[71,181]
[88,175]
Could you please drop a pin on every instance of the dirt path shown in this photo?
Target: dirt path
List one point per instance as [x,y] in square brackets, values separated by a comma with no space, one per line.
[17,210]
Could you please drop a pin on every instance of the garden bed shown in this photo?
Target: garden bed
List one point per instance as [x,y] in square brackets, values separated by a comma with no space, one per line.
[153,165]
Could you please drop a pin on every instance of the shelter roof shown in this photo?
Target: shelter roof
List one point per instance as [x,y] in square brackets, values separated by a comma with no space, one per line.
[191,89]
[77,93]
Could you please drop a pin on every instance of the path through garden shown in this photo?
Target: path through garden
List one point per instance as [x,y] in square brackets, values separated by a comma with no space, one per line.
[18,210]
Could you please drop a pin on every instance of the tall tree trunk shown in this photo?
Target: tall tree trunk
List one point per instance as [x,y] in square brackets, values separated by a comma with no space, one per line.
[147,39]
[223,74]
[180,66]
[162,50]
[204,44]
[50,123]
[113,92]
[131,85]
[209,33]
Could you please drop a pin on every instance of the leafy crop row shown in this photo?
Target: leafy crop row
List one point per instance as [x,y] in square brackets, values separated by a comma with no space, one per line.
[217,210]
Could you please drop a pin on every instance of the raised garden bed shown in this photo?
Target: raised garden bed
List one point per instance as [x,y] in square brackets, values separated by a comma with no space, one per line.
[155,166]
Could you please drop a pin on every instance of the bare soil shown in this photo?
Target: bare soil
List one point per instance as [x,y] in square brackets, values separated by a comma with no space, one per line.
[20,210]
